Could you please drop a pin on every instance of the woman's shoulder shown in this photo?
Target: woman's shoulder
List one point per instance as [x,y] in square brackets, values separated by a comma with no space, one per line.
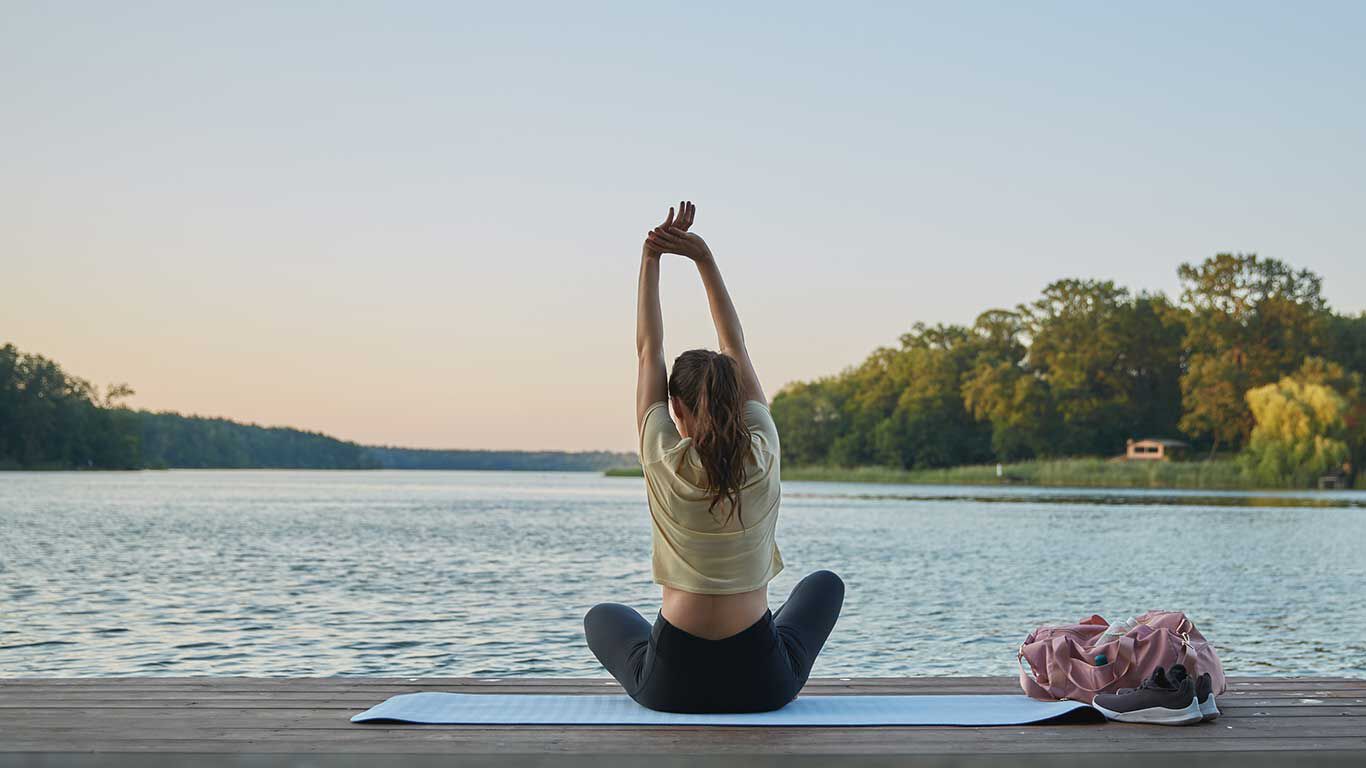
[658,434]
[759,421]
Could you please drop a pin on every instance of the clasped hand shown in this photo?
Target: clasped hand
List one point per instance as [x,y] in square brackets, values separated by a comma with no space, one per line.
[673,236]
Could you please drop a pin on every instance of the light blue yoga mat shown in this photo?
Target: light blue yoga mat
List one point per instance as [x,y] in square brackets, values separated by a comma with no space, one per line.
[598,709]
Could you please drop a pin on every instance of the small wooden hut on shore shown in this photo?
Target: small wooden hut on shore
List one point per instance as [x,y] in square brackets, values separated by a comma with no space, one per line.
[1153,449]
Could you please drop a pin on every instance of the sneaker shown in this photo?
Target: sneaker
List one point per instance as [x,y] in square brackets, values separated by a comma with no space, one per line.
[1159,700]
[1169,678]
[1204,694]
[1204,691]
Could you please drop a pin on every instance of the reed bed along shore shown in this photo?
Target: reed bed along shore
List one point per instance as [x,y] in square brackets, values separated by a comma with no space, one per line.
[1076,473]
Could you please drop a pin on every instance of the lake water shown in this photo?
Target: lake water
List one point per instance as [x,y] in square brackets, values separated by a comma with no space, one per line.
[489,573]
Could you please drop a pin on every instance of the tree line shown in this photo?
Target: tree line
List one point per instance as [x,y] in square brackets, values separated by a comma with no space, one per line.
[50,419]
[1249,358]
[540,461]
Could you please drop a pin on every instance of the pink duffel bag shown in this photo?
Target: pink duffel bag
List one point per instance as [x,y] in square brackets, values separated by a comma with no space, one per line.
[1060,662]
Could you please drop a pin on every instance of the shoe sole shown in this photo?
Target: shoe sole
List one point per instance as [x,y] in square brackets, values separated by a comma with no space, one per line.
[1157,715]
[1208,709]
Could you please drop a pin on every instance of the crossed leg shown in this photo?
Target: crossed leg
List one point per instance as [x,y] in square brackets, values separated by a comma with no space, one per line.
[804,622]
[619,637]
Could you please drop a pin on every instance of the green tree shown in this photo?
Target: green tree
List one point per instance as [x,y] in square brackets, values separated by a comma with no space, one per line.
[1347,341]
[1249,322]
[1078,348]
[1101,366]
[900,407]
[809,418]
[1148,366]
[1080,369]
[50,419]
[930,426]
[1000,390]
[1351,385]
[1017,406]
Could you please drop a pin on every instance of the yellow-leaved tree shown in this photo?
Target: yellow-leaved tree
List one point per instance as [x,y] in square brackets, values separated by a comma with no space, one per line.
[1298,432]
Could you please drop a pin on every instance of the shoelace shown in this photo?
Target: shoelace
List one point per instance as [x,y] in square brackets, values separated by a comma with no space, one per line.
[1153,684]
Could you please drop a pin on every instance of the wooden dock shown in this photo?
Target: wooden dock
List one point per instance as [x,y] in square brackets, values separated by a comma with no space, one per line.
[273,721]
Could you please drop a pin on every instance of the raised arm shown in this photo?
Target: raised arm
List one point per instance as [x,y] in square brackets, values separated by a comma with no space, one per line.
[676,239]
[652,384]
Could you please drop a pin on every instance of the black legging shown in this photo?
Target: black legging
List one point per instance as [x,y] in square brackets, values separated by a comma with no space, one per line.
[757,670]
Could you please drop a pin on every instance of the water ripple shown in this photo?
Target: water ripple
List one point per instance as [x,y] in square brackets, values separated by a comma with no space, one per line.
[489,574]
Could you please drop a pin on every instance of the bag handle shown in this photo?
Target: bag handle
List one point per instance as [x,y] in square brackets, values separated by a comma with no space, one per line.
[1188,657]
[1060,666]
[1031,686]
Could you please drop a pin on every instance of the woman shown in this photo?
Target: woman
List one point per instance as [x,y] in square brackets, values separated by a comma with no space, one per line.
[712,478]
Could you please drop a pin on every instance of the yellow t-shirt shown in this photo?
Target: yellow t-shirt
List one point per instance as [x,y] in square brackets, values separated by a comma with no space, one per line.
[692,551]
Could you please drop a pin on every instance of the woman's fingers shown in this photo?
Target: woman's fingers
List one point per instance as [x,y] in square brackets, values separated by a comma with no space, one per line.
[678,221]
[662,233]
[664,242]
[668,245]
[672,230]
[680,217]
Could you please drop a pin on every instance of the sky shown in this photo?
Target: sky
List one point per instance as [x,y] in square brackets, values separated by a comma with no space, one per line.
[420,224]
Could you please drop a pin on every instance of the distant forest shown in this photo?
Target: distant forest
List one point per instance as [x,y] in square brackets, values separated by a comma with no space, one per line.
[1249,359]
[50,419]
[423,458]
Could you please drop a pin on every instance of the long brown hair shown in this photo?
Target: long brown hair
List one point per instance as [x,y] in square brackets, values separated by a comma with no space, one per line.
[708,383]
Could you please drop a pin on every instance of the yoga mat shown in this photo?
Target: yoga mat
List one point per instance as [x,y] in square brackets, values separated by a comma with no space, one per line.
[599,709]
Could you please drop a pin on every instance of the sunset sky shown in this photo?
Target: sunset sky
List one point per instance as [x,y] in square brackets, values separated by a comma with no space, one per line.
[420,223]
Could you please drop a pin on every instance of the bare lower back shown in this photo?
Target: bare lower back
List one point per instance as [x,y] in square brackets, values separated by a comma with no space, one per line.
[713,617]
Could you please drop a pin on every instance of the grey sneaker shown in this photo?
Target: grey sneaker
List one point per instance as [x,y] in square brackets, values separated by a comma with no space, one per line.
[1204,694]
[1159,700]
[1204,691]
[1169,678]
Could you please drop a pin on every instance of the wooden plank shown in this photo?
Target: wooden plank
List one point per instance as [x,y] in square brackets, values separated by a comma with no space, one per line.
[1254,734]
[181,721]
[281,716]
[1145,759]
[516,744]
[1001,685]
[170,727]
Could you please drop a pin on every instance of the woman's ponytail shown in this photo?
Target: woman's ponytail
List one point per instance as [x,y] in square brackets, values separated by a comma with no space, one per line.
[708,383]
